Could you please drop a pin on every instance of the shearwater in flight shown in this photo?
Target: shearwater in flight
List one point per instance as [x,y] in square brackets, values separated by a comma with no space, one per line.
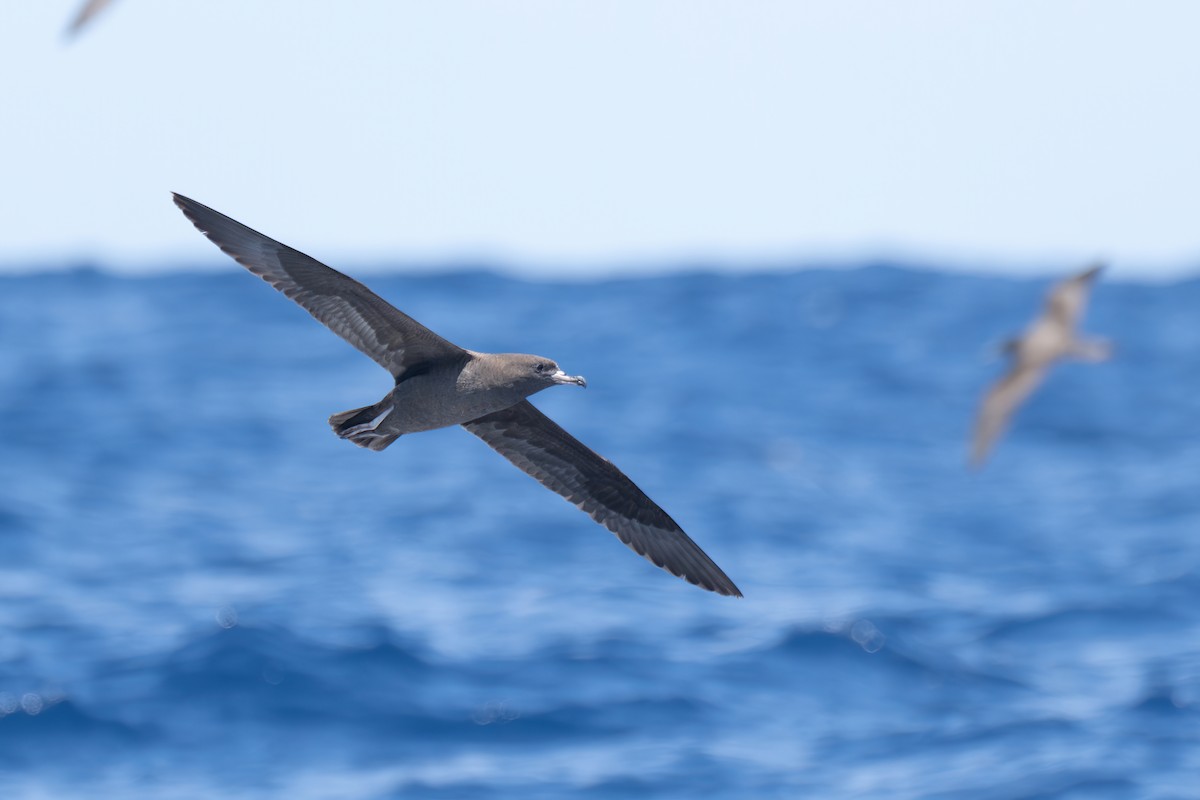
[439,384]
[1048,339]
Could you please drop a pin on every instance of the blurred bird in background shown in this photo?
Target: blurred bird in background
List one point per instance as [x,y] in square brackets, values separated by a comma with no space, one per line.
[89,10]
[1048,339]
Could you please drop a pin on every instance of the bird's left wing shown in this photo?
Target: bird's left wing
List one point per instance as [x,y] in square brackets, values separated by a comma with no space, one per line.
[563,464]
[1002,400]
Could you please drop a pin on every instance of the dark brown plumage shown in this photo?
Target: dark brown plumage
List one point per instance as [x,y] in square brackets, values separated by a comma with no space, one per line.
[440,384]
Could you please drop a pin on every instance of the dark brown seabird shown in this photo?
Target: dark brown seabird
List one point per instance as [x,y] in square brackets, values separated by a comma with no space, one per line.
[439,384]
[1048,339]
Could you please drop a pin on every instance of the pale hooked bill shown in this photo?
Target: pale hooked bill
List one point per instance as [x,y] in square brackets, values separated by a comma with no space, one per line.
[439,384]
[1049,338]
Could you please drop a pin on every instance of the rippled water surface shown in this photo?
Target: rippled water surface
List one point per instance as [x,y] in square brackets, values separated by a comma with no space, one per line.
[204,593]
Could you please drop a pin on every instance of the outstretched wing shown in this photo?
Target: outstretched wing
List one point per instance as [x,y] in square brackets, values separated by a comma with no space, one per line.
[998,407]
[538,446]
[1068,299]
[393,339]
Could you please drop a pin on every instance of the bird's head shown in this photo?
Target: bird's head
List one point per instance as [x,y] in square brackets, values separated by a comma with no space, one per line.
[534,373]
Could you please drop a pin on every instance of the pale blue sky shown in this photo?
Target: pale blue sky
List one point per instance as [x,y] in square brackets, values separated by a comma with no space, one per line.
[566,135]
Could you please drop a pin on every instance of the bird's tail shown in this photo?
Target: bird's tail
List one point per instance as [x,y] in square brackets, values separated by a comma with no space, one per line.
[360,425]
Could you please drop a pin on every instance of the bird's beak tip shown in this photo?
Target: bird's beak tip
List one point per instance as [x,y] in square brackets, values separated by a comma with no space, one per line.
[562,377]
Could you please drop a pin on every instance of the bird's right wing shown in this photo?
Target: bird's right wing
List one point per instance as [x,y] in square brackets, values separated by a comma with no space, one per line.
[998,407]
[563,464]
[393,339]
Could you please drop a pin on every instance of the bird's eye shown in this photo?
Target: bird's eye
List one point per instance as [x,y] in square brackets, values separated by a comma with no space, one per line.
[540,368]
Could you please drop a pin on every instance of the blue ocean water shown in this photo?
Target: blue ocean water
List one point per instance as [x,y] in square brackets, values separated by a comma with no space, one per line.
[204,593]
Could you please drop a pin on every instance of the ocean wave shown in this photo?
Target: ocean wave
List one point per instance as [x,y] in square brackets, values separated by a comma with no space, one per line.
[229,600]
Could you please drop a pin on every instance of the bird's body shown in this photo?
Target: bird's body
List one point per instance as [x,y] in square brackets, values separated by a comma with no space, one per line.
[1048,339]
[439,384]
[439,394]
[1042,344]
